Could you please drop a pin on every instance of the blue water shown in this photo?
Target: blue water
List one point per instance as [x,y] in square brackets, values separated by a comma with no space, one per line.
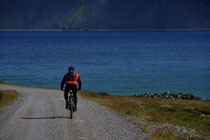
[121,63]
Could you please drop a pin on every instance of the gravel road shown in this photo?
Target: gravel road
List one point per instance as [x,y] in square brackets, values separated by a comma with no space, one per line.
[40,114]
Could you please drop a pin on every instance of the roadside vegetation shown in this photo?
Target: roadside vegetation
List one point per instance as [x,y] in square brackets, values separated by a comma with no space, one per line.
[7,96]
[4,83]
[188,113]
[164,135]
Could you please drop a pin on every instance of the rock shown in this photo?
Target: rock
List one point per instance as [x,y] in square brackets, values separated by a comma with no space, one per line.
[189,96]
[156,95]
[172,96]
[141,106]
[183,96]
[147,95]
[179,96]
[161,96]
[184,131]
[167,93]
[203,115]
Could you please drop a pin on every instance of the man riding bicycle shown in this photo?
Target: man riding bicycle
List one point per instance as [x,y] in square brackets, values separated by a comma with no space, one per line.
[71,79]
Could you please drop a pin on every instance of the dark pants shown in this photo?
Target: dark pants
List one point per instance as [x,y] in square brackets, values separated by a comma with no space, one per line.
[74,90]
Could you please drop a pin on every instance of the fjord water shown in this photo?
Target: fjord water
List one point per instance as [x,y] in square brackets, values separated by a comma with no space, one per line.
[121,63]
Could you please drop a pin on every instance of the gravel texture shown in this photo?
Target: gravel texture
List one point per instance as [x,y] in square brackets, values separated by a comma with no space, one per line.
[41,114]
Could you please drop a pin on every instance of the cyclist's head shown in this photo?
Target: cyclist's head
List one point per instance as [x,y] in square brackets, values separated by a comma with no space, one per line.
[71,68]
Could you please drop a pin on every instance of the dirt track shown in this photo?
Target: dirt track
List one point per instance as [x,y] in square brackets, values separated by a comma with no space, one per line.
[39,114]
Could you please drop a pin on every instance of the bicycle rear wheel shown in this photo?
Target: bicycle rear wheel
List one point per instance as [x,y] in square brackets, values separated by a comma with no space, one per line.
[71,108]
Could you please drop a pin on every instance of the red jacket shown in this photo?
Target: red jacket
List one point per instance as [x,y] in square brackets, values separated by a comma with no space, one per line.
[75,82]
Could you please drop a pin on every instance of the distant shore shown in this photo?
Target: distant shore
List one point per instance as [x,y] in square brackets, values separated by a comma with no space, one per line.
[98,30]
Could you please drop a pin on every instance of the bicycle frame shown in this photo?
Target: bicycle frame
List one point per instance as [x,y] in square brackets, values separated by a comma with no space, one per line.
[71,103]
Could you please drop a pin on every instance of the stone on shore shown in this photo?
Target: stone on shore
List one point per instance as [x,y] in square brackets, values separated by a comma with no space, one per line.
[169,95]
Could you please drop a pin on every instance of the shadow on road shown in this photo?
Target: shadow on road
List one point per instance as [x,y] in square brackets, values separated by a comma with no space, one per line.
[53,117]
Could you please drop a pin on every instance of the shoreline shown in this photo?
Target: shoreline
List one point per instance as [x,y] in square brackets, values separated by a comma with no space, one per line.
[165,95]
[102,30]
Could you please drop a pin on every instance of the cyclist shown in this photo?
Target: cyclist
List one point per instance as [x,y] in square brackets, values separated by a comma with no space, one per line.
[71,79]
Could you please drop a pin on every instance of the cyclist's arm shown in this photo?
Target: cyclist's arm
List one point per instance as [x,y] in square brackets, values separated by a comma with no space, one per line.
[63,82]
[80,83]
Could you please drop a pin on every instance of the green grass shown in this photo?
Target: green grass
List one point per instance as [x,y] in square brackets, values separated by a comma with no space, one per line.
[4,83]
[7,96]
[191,114]
[164,135]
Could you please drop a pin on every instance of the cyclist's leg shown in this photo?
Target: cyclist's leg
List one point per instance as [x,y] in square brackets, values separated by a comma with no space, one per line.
[74,90]
[67,88]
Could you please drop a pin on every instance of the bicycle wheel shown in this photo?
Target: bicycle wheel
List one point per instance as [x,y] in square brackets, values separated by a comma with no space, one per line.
[71,109]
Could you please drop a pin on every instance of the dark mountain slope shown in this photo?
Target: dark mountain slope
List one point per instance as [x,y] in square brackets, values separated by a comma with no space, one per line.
[104,14]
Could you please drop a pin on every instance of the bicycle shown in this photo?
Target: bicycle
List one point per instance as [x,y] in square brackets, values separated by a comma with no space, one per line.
[71,104]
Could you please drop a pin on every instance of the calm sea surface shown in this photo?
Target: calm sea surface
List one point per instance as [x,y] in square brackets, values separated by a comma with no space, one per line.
[121,63]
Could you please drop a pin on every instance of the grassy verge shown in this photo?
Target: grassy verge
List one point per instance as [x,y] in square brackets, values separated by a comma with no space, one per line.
[4,83]
[191,114]
[7,96]
[164,135]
